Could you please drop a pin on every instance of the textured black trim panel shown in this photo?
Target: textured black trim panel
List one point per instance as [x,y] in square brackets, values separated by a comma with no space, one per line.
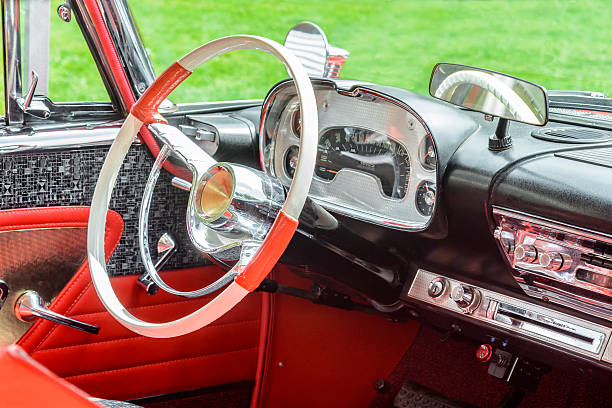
[64,178]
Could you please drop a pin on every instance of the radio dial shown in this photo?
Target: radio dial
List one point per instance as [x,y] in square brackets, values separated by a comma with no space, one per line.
[526,253]
[466,297]
[555,261]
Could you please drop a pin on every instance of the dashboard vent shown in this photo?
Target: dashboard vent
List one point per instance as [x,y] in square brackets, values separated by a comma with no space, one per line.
[599,156]
[572,135]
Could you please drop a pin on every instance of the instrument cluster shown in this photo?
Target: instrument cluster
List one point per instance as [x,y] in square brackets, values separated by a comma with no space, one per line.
[376,160]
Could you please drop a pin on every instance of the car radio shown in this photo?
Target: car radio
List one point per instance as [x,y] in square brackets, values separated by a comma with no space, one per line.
[557,262]
[505,312]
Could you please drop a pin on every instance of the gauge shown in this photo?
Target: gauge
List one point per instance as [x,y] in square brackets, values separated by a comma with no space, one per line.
[426,198]
[366,151]
[296,122]
[427,153]
[291,158]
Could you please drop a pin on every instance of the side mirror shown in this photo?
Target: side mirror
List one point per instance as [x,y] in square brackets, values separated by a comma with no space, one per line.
[309,43]
[490,92]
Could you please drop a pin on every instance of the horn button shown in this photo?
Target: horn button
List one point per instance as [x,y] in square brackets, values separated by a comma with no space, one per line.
[215,193]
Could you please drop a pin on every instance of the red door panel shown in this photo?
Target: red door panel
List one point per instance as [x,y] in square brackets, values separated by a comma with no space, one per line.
[116,363]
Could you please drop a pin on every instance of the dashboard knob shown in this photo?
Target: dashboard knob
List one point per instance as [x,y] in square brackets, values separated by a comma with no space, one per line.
[555,261]
[526,253]
[466,297]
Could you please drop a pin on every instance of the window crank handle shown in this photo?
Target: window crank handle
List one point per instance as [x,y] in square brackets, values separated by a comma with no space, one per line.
[29,306]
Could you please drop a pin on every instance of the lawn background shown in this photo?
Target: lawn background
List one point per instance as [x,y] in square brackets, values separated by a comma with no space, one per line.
[559,44]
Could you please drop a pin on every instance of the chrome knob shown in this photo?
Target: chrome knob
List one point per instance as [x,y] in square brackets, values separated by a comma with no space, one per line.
[29,306]
[437,287]
[466,297]
[555,261]
[526,253]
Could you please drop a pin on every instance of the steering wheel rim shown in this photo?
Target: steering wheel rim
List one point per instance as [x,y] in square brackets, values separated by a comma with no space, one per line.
[248,274]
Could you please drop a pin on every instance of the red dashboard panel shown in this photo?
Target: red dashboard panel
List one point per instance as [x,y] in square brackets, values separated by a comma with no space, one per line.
[322,356]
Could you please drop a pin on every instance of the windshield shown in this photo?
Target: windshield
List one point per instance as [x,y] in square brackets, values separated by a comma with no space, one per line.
[557,44]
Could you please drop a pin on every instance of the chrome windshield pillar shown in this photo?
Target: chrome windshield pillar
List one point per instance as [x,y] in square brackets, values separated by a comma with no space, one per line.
[130,47]
[12,62]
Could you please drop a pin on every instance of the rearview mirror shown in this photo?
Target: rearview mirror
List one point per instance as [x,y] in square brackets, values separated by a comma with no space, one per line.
[490,92]
[309,43]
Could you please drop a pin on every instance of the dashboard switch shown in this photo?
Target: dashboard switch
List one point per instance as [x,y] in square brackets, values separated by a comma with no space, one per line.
[555,261]
[437,287]
[526,253]
[466,297]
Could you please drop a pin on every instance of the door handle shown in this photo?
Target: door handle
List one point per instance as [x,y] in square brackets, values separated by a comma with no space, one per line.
[29,306]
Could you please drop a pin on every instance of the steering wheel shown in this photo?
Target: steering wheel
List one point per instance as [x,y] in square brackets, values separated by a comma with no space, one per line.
[508,97]
[230,206]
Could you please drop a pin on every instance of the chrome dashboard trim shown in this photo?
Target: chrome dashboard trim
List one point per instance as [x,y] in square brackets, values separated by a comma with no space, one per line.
[547,222]
[524,318]
[563,286]
[357,178]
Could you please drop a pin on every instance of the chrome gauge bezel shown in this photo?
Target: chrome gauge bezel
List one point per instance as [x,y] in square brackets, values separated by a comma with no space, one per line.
[352,192]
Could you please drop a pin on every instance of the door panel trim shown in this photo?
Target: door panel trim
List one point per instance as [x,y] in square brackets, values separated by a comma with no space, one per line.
[40,249]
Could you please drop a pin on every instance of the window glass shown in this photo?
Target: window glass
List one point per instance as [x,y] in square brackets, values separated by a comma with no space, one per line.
[558,44]
[73,75]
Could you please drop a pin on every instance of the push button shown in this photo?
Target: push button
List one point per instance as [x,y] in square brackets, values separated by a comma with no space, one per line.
[484,353]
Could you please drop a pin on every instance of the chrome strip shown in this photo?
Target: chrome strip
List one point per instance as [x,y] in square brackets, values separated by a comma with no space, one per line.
[59,139]
[571,333]
[547,222]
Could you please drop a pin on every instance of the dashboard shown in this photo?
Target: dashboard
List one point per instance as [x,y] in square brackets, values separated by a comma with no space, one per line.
[513,245]
[376,158]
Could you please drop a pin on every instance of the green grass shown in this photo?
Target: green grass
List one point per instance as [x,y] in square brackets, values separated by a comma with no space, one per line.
[558,44]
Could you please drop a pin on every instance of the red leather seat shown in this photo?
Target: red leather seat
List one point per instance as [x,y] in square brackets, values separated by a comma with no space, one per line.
[26,383]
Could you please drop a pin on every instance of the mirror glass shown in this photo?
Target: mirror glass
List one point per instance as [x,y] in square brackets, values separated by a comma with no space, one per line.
[490,92]
[308,42]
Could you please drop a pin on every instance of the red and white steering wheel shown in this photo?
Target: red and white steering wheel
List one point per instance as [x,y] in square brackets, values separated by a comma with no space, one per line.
[218,214]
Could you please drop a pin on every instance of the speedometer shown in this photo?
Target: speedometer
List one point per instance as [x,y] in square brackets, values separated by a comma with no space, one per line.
[365,151]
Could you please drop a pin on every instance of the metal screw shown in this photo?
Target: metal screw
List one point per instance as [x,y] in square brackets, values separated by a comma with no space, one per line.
[141,87]
[381,386]
[280,364]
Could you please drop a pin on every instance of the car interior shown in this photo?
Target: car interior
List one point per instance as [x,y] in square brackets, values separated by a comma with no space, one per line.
[337,243]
